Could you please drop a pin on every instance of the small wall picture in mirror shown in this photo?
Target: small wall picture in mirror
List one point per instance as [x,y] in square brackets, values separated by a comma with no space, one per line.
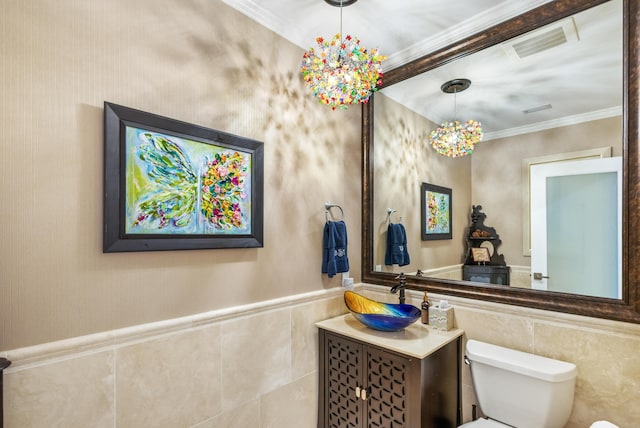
[480,255]
[435,212]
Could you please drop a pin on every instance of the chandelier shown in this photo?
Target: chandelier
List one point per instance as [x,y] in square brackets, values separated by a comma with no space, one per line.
[452,138]
[340,71]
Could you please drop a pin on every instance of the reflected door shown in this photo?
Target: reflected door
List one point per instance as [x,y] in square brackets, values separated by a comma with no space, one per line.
[576,223]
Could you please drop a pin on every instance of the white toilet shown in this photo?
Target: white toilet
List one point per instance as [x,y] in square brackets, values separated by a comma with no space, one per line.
[517,389]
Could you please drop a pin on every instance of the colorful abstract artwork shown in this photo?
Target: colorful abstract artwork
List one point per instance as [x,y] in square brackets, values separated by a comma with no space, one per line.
[174,185]
[435,212]
[179,186]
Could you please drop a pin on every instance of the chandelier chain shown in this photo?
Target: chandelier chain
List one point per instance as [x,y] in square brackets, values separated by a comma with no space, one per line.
[455,104]
[341,37]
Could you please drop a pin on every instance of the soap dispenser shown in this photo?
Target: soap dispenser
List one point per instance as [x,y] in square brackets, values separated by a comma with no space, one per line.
[425,309]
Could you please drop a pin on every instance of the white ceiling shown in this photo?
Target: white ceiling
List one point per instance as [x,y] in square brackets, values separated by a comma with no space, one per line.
[582,80]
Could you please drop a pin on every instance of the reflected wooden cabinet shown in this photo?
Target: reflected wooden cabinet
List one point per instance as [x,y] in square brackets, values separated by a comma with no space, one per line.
[482,262]
[362,385]
[488,274]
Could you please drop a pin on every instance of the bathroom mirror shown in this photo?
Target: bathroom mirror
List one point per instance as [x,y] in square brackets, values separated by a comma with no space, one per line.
[623,307]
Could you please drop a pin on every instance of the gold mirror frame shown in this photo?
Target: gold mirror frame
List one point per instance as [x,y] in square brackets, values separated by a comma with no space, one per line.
[625,309]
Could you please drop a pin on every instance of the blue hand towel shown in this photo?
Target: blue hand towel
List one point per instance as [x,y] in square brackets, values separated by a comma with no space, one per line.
[334,248]
[397,252]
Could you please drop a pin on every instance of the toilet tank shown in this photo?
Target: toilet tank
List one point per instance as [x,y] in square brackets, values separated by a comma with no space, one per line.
[521,389]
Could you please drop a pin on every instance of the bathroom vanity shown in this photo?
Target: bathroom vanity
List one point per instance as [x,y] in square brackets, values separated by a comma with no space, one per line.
[369,378]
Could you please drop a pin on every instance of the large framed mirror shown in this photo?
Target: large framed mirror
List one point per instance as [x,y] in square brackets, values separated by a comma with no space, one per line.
[398,158]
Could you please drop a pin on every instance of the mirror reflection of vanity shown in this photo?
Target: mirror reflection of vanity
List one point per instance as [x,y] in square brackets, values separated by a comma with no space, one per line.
[398,156]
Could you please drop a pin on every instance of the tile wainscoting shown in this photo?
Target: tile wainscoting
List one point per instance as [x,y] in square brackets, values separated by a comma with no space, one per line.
[256,366]
[249,366]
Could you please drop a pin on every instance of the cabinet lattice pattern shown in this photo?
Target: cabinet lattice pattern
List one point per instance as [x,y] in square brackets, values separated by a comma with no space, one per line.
[367,386]
[387,388]
[344,361]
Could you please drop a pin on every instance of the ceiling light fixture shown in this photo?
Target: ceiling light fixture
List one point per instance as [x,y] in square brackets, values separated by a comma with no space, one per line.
[452,138]
[339,71]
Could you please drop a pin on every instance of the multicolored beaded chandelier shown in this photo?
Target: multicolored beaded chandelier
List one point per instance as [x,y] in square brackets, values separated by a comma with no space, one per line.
[339,71]
[452,138]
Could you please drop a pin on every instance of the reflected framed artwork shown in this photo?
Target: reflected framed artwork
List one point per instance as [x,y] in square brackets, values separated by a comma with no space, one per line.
[435,212]
[172,185]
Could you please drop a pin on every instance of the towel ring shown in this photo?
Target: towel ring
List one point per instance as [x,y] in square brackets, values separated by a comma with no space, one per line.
[328,206]
[389,212]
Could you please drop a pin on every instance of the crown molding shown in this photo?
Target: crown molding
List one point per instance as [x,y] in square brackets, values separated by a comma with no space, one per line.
[555,123]
[292,32]
[469,27]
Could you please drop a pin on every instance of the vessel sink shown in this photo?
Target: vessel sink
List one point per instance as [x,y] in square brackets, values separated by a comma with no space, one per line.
[378,315]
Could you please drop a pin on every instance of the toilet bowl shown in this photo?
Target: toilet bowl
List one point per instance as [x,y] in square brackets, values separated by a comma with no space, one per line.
[518,389]
[603,424]
[484,423]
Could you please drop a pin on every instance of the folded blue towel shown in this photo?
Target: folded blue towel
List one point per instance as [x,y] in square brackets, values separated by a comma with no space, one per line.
[397,252]
[334,248]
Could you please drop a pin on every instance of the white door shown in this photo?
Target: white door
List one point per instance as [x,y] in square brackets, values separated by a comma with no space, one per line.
[576,227]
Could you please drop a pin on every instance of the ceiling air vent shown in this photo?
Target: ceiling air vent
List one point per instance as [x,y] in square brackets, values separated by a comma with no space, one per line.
[536,109]
[540,40]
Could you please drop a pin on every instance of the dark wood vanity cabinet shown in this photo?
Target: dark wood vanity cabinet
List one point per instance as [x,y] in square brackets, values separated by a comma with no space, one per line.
[365,386]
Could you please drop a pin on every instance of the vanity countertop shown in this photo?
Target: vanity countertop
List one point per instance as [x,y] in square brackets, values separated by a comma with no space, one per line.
[417,340]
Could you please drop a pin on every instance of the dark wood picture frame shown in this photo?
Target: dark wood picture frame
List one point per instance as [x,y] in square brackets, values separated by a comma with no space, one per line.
[171,170]
[435,210]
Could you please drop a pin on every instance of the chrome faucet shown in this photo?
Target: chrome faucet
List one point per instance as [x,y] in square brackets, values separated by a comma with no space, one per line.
[402,285]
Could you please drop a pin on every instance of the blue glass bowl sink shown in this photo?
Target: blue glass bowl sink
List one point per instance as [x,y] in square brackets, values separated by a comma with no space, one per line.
[378,315]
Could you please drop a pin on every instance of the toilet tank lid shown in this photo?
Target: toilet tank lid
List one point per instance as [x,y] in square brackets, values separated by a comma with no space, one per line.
[520,362]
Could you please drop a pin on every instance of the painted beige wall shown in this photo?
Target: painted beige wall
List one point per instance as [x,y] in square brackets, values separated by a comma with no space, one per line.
[198,61]
[497,173]
[403,160]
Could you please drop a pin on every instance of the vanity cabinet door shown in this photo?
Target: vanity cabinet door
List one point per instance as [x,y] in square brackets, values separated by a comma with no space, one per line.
[388,388]
[341,382]
[362,386]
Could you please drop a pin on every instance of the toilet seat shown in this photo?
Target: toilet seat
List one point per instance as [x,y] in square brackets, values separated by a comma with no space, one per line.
[484,423]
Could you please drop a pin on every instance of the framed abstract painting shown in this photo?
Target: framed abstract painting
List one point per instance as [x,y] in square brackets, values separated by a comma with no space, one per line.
[435,212]
[172,185]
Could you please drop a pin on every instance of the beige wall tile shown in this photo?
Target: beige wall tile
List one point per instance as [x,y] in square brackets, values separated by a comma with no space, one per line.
[256,356]
[173,381]
[497,328]
[293,406]
[468,400]
[76,392]
[304,333]
[260,370]
[608,382]
[245,416]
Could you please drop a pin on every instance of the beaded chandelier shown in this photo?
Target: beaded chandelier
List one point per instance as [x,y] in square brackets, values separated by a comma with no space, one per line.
[452,138]
[339,71]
